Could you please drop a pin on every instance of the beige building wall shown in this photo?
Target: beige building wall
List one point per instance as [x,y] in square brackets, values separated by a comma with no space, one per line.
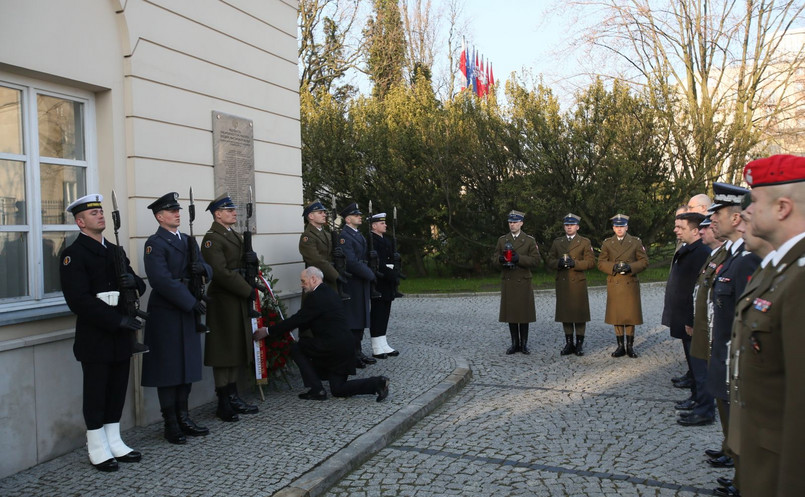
[154,71]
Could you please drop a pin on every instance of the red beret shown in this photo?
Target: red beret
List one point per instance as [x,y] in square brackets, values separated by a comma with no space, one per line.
[775,170]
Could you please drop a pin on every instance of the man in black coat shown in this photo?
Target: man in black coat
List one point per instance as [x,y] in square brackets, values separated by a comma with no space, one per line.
[103,331]
[387,287]
[678,311]
[329,353]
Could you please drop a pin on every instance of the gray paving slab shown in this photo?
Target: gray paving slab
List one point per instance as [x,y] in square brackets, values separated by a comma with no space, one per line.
[523,425]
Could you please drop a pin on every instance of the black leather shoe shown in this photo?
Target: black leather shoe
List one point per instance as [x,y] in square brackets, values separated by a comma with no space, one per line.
[724,482]
[695,420]
[394,353]
[107,466]
[380,356]
[133,456]
[685,414]
[311,395]
[728,491]
[713,454]
[239,405]
[685,405]
[368,360]
[721,462]
[687,383]
[359,363]
[383,388]
[680,378]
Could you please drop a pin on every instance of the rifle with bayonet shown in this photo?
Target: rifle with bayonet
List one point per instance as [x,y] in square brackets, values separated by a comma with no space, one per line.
[250,267]
[339,257]
[374,260]
[396,256]
[127,285]
[197,284]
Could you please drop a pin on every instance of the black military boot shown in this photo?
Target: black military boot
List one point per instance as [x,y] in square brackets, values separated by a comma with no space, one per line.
[515,333]
[579,345]
[187,425]
[620,351]
[630,346]
[173,433]
[569,348]
[225,412]
[238,404]
[524,342]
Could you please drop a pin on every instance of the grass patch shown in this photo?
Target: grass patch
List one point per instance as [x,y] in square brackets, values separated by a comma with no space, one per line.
[541,280]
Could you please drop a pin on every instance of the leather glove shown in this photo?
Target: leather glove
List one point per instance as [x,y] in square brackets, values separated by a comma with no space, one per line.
[260,334]
[258,285]
[250,257]
[515,257]
[200,307]
[128,323]
[198,268]
[126,281]
[570,263]
[626,268]
[560,264]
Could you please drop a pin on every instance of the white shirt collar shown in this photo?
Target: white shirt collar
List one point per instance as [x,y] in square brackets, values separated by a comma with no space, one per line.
[736,246]
[766,260]
[784,248]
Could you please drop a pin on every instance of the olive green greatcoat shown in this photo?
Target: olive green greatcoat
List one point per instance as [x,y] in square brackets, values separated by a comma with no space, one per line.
[623,290]
[229,342]
[771,375]
[516,290]
[316,247]
[702,304]
[572,301]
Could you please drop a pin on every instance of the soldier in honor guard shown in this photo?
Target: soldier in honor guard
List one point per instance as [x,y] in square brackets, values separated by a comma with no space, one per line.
[622,258]
[228,345]
[103,329]
[517,253]
[572,255]
[767,363]
[359,284]
[730,280]
[174,362]
[316,243]
[386,285]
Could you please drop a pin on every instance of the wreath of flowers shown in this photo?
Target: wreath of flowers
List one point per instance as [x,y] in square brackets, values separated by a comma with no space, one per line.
[278,349]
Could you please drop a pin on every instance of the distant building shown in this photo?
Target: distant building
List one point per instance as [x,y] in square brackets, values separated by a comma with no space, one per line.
[120,94]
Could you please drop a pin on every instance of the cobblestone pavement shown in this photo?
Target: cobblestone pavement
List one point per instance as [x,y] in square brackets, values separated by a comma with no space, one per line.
[524,425]
[545,424]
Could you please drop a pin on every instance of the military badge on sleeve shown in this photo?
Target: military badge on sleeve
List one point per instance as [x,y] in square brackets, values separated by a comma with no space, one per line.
[148,250]
[208,244]
[305,239]
[66,261]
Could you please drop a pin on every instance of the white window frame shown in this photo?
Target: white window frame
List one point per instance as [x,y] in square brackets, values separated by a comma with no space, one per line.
[38,305]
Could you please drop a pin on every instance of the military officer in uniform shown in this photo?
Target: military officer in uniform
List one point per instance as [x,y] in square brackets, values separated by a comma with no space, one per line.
[174,362]
[316,243]
[622,258]
[103,331]
[572,255]
[768,362]
[386,285]
[228,345]
[358,287]
[517,254]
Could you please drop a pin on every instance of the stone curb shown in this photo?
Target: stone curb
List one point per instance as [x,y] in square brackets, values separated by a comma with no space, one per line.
[321,478]
[486,294]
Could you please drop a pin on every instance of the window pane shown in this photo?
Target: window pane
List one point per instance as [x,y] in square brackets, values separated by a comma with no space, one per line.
[60,186]
[53,242]
[10,120]
[12,193]
[13,265]
[61,128]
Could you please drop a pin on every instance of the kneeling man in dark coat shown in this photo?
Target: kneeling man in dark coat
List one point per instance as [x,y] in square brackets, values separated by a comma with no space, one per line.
[330,353]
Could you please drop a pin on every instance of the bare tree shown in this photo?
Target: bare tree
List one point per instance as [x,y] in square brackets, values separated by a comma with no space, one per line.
[328,42]
[717,68]
[420,32]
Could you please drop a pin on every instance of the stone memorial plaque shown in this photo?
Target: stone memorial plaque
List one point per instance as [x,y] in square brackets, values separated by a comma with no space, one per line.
[233,158]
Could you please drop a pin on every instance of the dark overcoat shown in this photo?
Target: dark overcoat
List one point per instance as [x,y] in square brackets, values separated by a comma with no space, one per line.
[357,253]
[685,269]
[331,346]
[728,286]
[516,288]
[88,268]
[703,305]
[623,290]
[170,331]
[387,280]
[316,247]
[229,341]
[572,300]
[771,371]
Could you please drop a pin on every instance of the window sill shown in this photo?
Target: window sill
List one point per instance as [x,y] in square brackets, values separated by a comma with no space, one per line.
[34,312]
